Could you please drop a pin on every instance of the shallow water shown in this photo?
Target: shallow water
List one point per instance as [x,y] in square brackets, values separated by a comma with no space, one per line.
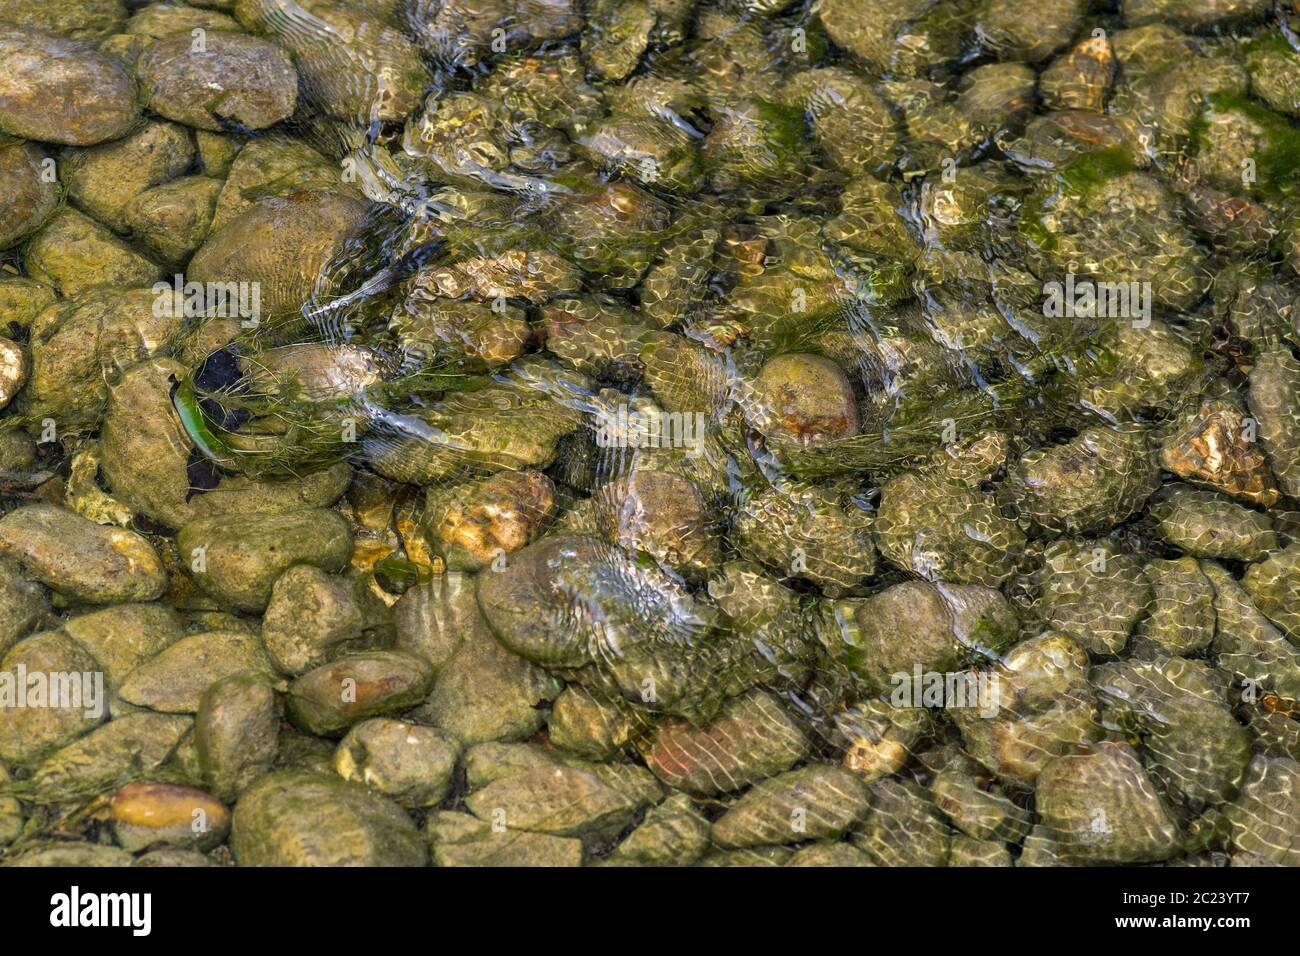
[831,434]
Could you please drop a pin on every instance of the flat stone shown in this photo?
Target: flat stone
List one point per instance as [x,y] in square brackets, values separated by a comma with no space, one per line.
[292,818]
[86,561]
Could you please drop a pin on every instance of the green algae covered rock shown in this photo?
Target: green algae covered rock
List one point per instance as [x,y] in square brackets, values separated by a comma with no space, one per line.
[292,818]
[239,557]
[62,91]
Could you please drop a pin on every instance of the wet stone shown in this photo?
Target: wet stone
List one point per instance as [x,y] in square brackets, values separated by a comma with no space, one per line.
[1263,818]
[558,800]
[113,753]
[123,637]
[660,513]
[902,827]
[310,613]
[617,36]
[809,533]
[329,699]
[1214,446]
[1092,593]
[1274,387]
[459,839]
[1246,642]
[870,38]
[839,101]
[172,220]
[269,166]
[216,152]
[1207,525]
[943,530]
[11,814]
[22,603]
[1005,27]
[1045,709]
[21,300]
[530,606]
[73,253]
[1081,78]
[488,762]
[50,692]
[29,194]
[674,833]
[970,852]
[807,398]
[1091,482]
[817,802]
[294,818]
[163,19]
[934,627]
[1140,237]
[62,91]
[298,750]
[147,814]
[74,19]
[384,76]
[982,813]
[1274,734]
[408,763]
[80,346]
[1101,805]
[70,854]
[589,725]
[1272,585]
[1182,618]
[234,79]
[1272,67]
[166,857]
[75,556]
[469,525]
[174,681]
[1197,751]
[102,180]
[309,229]
[1191,16]
[236,732]
[430,619]
[752,739]
[482,690]
[749,856]
[242,556]
[242,495]
[830,854]
[879,738]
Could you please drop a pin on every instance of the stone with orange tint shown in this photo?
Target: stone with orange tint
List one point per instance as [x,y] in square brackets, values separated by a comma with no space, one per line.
[333,697]
[471,524]
[1215,445]
[148,814]
[807,398]
[752,739]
